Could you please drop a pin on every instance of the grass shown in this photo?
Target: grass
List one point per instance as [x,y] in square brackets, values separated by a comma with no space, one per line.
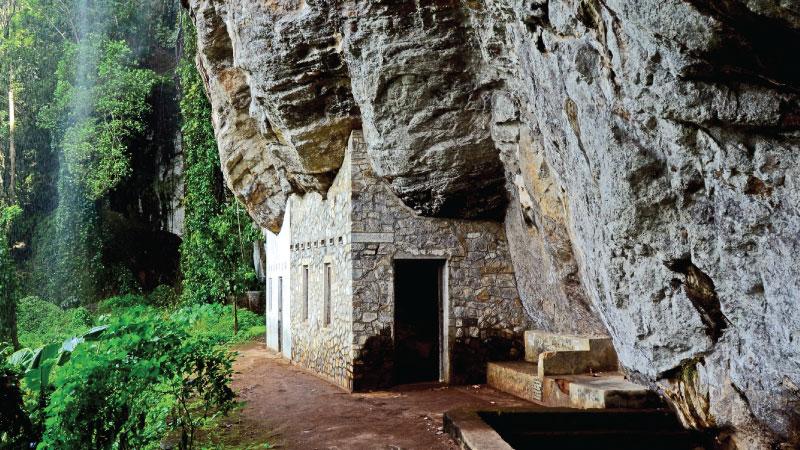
[235,432]
[40,322]
[215,321]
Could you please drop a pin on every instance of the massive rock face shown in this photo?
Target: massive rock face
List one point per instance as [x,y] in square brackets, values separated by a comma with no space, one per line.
[646,156]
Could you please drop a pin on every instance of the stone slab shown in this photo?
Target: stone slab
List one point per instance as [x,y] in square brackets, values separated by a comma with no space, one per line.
[372,237]
[609,391]
[470,431]
[606,391]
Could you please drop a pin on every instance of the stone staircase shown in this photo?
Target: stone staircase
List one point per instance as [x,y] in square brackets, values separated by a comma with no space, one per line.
[569,371]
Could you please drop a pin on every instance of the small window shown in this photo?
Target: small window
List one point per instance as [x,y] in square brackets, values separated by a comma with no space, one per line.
[305,292]
[280,295]
[269,294]
[327,302]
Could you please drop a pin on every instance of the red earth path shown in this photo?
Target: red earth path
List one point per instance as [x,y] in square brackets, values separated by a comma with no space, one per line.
[297,410]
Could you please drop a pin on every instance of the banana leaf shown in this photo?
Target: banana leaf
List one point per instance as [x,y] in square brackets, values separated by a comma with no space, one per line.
[95,333]
[37,377]
[21,358]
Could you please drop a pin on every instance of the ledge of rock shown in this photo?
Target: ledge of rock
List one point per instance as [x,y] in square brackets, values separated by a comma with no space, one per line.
[644,156]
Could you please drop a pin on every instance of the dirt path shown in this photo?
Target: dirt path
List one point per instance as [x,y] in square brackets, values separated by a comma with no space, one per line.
[305,412]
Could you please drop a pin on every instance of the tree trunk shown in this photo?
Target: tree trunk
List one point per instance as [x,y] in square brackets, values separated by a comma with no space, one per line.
[8,297]
[2,174]
[9,8]
[12,148]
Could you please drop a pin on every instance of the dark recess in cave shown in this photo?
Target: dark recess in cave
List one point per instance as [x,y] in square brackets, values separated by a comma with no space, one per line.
[703,295]
[137,210]
[753,48]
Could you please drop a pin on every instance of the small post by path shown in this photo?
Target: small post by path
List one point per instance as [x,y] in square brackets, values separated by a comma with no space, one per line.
[235,316]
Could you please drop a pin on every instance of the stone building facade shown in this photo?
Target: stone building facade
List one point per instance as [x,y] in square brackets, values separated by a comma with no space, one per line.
[345,250]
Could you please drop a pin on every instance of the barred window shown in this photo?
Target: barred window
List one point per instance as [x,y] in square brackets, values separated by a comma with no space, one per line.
[327,301]
[305,292]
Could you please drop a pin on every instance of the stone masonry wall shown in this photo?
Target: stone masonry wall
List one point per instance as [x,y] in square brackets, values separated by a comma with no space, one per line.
[484,315]
[320,235]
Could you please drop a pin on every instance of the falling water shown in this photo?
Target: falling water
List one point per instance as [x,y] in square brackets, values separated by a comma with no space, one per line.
[77,252]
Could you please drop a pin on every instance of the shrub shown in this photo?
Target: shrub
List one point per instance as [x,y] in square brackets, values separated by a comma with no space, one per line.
[8,278]
[163,296]
[15,426]
[120,303]
[144,374]
[40,322]
[215,322]
[145,377]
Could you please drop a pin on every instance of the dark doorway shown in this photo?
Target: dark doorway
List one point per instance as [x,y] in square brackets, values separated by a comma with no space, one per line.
[417,320]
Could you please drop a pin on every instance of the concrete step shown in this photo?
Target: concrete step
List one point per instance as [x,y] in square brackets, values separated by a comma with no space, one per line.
[604,390]
[565,354]
[570,371]
[518,378]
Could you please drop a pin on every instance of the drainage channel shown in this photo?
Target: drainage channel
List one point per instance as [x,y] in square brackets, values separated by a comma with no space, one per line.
[568,429]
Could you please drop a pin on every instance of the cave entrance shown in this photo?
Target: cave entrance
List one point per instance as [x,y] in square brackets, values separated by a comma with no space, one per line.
[418,315]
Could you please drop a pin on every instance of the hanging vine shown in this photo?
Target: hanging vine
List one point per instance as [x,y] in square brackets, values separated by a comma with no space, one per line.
[213,262]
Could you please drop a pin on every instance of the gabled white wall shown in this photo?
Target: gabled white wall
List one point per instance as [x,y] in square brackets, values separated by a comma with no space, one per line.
[278,266]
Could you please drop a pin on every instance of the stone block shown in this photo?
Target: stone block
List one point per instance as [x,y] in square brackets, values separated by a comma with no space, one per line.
[537,342]
[610,391]
[518,378]
[575,362]
[372,237]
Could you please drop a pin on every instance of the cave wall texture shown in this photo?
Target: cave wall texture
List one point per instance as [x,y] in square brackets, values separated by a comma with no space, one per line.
[644,156]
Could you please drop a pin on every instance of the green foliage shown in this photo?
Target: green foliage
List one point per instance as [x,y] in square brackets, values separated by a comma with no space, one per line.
[215,322]
[67,262]
[213,258]
[143,374]
[211,321]
[8,278]
[40,322]
[15,425]
[146,376]
[97,111]
[8,215]
[163,296]
[83,100]
[119,303]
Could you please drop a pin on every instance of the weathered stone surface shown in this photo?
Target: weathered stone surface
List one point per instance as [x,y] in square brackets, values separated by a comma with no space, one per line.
[425,109]
[651,152]
[282,107]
